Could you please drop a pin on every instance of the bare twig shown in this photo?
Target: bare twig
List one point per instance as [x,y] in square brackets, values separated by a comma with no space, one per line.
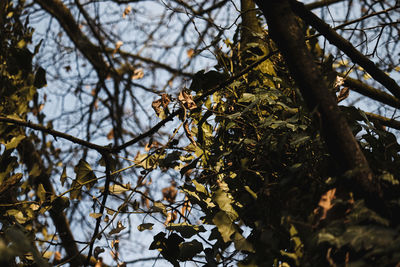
[55,134]
[344,45]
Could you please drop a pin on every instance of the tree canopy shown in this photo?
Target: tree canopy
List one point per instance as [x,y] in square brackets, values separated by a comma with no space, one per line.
[199,133]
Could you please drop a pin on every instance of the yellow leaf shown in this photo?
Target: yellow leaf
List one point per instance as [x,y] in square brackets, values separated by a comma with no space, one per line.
[95,215]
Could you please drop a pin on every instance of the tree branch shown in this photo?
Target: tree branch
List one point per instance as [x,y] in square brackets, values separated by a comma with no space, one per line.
[107,160]
[31,158]
[54,133]
[287,34]
[345,46]
[323,3]
[371,92]
[384,121]
[59,11]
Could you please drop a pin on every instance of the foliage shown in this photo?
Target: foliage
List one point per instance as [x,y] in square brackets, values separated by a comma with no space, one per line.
[260,165]
[253,181]
[18,83]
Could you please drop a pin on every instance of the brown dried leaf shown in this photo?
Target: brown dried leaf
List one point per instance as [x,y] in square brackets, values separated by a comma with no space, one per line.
[187,100]
[110,135]
[137,74]
[165,100]
[156,105]
[190,53]
[343,94]
[115,244]
[169,193]
[186,206]
[127,10]
[325,203]
[188,133]
[160,106]
[57,257]
[117,46]
[171,217]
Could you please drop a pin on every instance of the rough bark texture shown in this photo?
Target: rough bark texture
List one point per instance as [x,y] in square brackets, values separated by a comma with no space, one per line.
[250,26]
[285,30]
[371,92]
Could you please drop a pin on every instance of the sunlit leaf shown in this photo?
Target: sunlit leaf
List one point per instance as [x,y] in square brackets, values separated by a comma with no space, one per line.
[145,226]
[95,215]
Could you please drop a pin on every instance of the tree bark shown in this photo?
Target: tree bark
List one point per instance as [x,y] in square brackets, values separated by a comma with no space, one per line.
[285,30]
[31,157]
[346,47]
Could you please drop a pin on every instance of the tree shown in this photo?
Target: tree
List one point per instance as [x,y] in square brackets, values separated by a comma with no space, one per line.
[254,164]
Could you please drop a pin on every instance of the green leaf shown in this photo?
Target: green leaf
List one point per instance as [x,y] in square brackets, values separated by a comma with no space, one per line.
[18,215]
[41,193]
[247,97]
[145,226]
[189,249]
[199,187]
[119,189]
[35,171]
[24,245]
[205,81]
[84,174]
[186,230]
[190,166]
[145,161]
[224,201]
[242,244]
[225,225]
[14,142]
[63,176]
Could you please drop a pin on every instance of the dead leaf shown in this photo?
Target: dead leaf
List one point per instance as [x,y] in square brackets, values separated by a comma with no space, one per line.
[325,204]
[118,229]
[160,106]
[117,46]
[169,193]
[165,100]
[137,74]
[343,94]
[186,207]
[97,251]
[156,105]
[110,135]
[127,10]
[115,244]
[190,53]
[188,133]
[57,258]
[171,217]
[187,100]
